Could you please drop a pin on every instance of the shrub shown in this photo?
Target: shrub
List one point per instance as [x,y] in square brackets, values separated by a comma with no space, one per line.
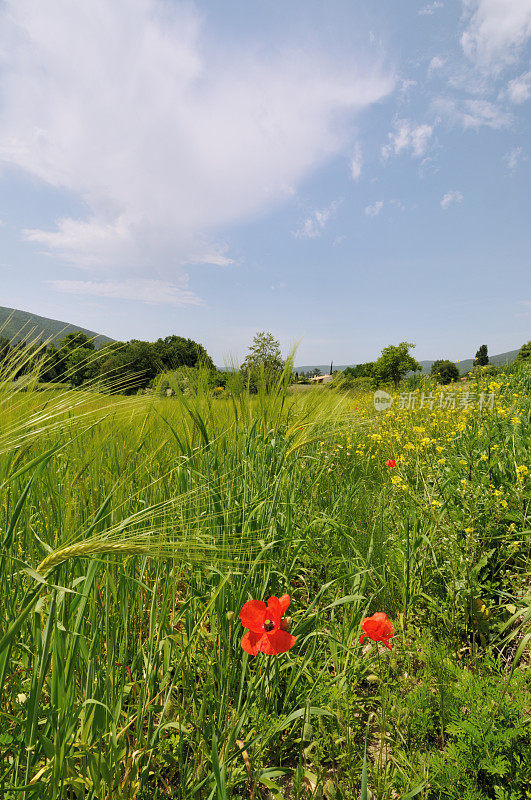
[444,371]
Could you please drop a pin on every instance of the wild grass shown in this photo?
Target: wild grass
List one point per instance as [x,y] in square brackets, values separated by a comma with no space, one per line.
[135,528]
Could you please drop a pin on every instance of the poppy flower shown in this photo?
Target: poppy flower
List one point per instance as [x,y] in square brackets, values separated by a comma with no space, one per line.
[390,463]
[378,628]
[267,633]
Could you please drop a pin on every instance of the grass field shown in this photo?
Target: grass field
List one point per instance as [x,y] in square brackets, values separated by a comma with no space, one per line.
[135,529]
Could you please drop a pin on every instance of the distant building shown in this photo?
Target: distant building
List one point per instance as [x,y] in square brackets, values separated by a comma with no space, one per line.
[321,379]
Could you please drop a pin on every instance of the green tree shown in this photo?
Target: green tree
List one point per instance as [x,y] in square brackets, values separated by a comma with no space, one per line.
[394,362]
[51,364]
[129,367]
[76,339]
[5,346]
[482,357]
[359,371]
[81,366]
[176,351]
[63,360]
[524,354]
[264,360]
[445,371]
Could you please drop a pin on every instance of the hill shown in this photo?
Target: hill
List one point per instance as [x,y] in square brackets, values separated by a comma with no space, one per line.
[17,324]
[464,366]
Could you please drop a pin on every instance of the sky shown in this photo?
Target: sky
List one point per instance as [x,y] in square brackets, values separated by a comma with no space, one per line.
[344,174]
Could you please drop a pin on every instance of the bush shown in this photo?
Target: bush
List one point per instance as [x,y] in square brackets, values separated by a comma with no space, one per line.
[524,354]
[487,369]
[444,371]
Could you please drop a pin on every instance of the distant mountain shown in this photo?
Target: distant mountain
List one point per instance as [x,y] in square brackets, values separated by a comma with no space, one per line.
[16,324]
[464,366]
[467,363]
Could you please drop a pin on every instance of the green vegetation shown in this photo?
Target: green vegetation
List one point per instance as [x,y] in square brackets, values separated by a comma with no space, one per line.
[444,371]
[394,363]
[130,366]
[524,354]
[134,529]
[264,361]
[482,357]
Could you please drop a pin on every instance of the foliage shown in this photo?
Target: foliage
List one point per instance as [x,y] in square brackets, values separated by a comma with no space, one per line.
[127,366]
[482,731]
[264,361]
[482,357]
[486,369]
[524,354]
[5,346]
[359,371]
[394,362]
[444,371]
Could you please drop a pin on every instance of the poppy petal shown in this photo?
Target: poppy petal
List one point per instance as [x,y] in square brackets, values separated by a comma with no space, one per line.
[379,627]
[370,627]
[382,619]
[251,642]
[362,637]
[284,601]
[253,614]
[274,612]
[277,642]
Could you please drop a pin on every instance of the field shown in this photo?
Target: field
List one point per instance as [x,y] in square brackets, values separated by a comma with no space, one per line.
[134,530]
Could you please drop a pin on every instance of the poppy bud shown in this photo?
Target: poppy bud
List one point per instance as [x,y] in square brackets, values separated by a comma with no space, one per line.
[230,616]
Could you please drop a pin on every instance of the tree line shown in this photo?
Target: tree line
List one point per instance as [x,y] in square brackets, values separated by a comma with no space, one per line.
[127,366]
[134,366]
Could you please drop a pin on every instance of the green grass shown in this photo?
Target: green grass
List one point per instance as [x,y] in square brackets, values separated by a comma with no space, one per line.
[134,530]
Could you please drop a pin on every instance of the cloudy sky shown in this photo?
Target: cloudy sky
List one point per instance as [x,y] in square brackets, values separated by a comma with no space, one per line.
[344,174]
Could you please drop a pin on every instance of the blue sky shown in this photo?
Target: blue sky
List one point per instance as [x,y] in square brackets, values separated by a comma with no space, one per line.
[344,174]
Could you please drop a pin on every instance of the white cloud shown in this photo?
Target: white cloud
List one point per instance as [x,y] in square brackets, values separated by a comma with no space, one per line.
[519,89]
[513,157]
[473,113]
[165,138]
[356,163]
[408,137]
[374,210]
[149,291]
[451,197]
[496,31]
[314,225]
[406,84]
[476,113]
[431,8]
[437,62]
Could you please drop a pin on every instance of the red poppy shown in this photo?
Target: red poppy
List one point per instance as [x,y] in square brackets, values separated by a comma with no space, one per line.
[390,463]
[266,632]
[378,628]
